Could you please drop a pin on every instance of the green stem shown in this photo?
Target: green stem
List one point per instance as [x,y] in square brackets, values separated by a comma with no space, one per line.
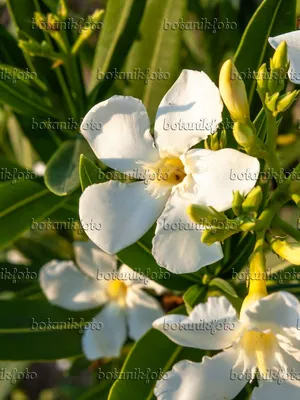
[277,222]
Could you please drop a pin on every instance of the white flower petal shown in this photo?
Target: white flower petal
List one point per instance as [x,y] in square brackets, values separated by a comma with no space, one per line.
[91,260]
[142,310]
[195,102]
[107,341]
[140,280]
[65,286]
[123,211]
[117,130]
[210,326]
[278,310]
[293,44]
[276,391]
[289,341]
[219,173]
[209,380]
[177,242]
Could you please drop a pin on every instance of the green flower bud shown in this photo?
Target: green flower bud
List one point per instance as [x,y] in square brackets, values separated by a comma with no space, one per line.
[296,199]
[253,200]
[262,81]
[214,142]
[40,20]
[237,202]
[279,67]
[233,92]
[212,235]
[286,101]
[286,250]
[271,101]
[62,9]
[280,57]
[204,215]
[223,139]
[243,134]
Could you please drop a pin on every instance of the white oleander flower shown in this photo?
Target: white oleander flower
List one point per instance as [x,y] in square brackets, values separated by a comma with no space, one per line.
[292,40]
[172,176]
[264,342]
[128,310]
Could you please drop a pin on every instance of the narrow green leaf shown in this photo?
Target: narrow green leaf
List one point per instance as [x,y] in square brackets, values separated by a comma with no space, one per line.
[194,295]
[22,338]
[20,204]
[223,285]
[120,26]
[157,49]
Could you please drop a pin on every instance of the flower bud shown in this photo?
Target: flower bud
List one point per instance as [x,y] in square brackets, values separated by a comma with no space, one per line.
[271,100]
[233,92]
[253,200]
[286,250]
[40,20]
[280,57]
[244,135]
[246,138]
[262,81]
[205,215]
[296,199]
[286,101]
[237,203]
[62,9]
[214,142]
[279,67]
[216,235]
[223,139]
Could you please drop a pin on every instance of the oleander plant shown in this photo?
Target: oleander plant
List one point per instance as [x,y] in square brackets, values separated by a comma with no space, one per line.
[149,200]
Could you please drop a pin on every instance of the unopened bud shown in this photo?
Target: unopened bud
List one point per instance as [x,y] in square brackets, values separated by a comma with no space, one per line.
[237,202]
[262,81]
[40,20]
[214,142]
[279,67]
[253,200]
[204,215]
[233,92]
[271,101]
[280,57]
[62,9]
[286,250]
[223,139]
[286,101]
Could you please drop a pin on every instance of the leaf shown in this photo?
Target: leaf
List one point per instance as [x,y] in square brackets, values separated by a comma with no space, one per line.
[22,15]
[89,173]
[120,26]
[22,338]
[25,100]
[20,204]
[62,172]
[153,353]
[224,286]
[158,50]
[265,22]
[10,53]
[194,295]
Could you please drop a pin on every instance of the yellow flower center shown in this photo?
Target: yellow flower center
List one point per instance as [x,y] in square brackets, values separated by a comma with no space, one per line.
[167,171]
[260,347]
[116,290]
